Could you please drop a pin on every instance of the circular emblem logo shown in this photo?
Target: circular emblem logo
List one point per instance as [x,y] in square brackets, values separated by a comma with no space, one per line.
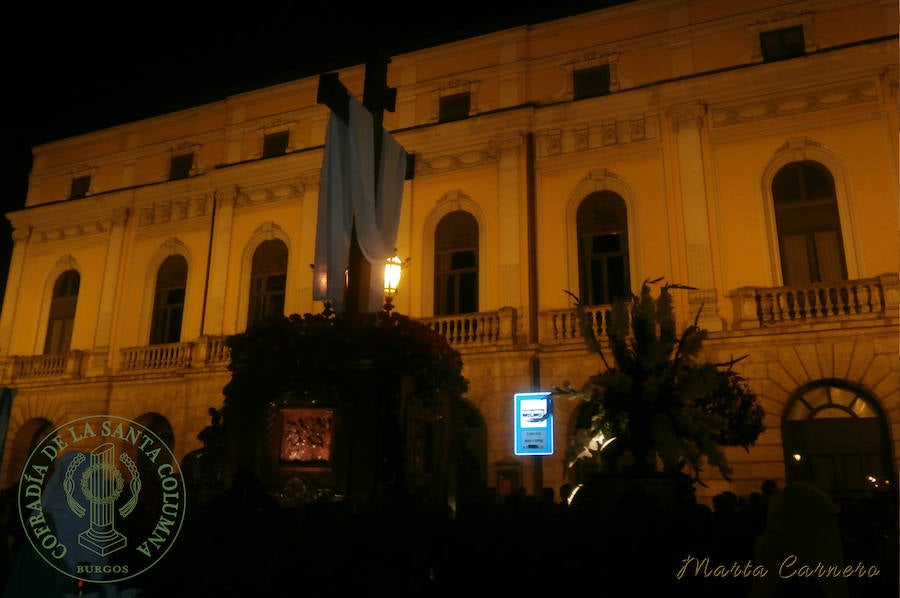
[102,498]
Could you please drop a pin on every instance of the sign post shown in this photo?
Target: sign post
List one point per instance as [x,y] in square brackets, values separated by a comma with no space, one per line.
[533,423]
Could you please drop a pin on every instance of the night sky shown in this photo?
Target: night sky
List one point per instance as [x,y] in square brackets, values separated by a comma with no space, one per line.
[74,67]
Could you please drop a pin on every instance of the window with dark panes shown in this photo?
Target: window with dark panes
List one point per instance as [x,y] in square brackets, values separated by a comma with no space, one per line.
[454,107]
[168,301]
[808,224]
[62,313]
[275,144]
[591,82]
[603,268]
[80,187]
[180,166]
[456,264]
[781,44]
[268,281]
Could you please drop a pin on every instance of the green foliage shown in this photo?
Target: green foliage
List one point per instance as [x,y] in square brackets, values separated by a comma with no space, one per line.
[658,399]
[314,355]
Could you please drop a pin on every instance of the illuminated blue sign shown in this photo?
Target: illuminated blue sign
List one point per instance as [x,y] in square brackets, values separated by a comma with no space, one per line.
[534,423]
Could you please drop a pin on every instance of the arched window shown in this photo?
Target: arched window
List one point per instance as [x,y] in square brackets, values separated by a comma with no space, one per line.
[268,281]
[62,313]
[809,229]
[456,264]
[835,436]
[168,301]
[603,269]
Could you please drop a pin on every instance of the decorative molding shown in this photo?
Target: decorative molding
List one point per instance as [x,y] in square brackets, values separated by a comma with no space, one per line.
[184,146]
[81,168]
[689,113]
[452,201]
[267,231]
[172,246]
[454,86]
[510,141]
[261,195]
[554,142]
[781,20]
[588,60]
[470,158]
[66,262]
[609,133]
[806,101]
[71,231]
[277,123]
[797,144]
[119,216]
[891,78]
[598,175]
[583,136]
[173,210]
[21,235]
[226,195]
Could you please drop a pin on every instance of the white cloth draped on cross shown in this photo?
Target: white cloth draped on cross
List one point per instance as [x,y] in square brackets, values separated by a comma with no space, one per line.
[348,192]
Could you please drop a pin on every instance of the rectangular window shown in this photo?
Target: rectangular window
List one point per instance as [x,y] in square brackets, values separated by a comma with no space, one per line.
[454,107]
[781,44]
[180,166]
[275,144]
[80,187]
[591,82]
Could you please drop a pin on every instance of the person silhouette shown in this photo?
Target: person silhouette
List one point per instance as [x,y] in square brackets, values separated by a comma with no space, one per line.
[802,529]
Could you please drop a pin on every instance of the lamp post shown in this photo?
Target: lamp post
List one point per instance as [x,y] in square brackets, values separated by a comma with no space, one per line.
[392,270]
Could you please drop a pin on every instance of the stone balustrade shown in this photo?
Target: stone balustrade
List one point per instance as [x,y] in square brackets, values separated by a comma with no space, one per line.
[753,308]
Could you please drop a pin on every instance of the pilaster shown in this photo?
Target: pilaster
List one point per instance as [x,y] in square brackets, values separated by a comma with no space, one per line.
[510,201]
[687,124]
[13,282]
[99,359]
[218,268]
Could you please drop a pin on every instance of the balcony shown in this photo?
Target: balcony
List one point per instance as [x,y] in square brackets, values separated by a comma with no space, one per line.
[205,352]
[476,330]
[848,300]
[61,366]
[840,304]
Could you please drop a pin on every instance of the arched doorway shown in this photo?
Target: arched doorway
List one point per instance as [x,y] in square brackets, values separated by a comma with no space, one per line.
[835,436]
[28,436]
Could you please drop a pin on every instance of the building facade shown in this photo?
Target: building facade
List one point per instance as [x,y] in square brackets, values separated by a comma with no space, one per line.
[748,151]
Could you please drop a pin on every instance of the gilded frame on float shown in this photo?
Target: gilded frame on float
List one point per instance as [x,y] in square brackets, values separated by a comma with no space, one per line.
[306,437]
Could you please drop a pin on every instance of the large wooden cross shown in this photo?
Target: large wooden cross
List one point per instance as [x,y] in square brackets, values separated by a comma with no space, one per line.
[377,97]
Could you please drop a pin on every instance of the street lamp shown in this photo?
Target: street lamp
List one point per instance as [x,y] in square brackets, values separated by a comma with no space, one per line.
[392,269]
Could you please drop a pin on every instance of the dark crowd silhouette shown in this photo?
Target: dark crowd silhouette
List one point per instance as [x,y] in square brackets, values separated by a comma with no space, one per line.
[245,542]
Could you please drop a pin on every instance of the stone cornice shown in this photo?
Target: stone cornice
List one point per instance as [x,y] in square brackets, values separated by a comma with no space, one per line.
[806,100]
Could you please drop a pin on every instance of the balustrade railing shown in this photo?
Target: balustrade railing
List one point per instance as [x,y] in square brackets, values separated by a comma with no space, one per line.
[754,307]
[156,357]
[493,328]
[47,366]
[560,326]
[216,350]
[757,306]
